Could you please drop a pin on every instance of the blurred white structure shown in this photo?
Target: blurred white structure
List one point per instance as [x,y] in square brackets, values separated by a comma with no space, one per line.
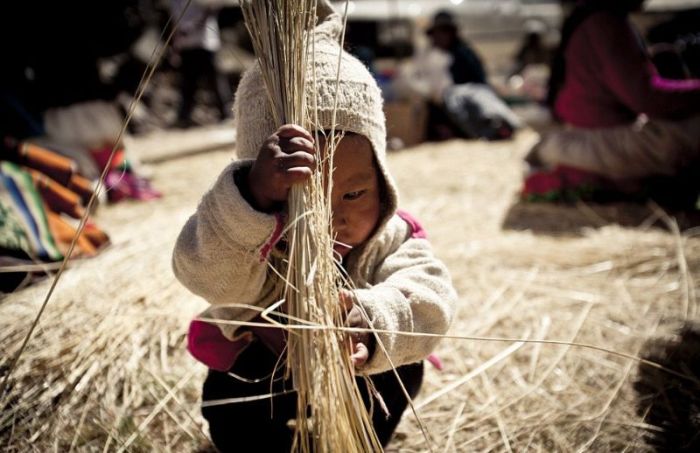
[477,18]
[670,5]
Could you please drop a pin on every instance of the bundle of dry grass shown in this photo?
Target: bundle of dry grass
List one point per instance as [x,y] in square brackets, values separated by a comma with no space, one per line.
[330,413]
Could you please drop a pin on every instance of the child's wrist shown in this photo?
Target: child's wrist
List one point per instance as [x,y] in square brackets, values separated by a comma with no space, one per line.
[242,180]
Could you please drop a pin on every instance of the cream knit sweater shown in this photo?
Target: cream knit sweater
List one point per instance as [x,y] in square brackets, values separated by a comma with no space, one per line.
[223,251]
[222,256]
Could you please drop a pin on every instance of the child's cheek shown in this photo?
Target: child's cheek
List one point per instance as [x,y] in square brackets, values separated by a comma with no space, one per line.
[368,219]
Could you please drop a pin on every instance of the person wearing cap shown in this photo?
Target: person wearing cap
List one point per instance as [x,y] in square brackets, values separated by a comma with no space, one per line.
[225,249]
[466,66]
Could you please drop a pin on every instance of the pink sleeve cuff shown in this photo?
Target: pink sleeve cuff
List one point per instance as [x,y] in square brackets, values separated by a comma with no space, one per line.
[207,344]
[417,230]
[435,361]
[663,84]
[276,235]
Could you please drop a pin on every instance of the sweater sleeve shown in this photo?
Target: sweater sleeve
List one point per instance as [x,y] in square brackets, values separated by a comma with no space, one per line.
[221,252]
[629,73]
[413,293]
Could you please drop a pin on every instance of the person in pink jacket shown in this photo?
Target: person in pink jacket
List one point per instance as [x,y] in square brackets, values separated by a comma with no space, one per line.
[623,123]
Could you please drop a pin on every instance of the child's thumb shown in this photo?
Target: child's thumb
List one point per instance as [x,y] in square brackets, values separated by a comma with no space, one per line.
[347,299]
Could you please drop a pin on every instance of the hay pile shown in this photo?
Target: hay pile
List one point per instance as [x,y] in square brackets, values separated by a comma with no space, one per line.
[107,367]
[612,287]
[110,348]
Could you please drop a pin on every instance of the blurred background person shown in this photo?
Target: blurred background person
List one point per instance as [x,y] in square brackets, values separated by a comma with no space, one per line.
[53,93]
[532,51]
[466,66]
[461,104]
[626,129]
[124,71]
[463,66]
[196,43]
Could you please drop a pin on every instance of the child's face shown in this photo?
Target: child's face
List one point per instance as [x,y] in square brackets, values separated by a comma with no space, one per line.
[355,198]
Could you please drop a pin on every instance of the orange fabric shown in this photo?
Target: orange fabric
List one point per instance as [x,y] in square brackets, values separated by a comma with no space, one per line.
[63,234]
[82,186]
[58,197]
[98,237]
[48,162]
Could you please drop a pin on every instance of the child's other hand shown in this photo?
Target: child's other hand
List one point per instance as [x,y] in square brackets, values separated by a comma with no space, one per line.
[286,158]
[359,341]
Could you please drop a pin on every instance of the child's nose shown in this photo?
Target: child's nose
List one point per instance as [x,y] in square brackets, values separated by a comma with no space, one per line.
[339,221]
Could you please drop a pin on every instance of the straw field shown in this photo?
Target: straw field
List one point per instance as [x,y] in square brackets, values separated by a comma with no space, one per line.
[107,370]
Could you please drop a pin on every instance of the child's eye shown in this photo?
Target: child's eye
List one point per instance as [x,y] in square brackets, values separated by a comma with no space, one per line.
[354,195]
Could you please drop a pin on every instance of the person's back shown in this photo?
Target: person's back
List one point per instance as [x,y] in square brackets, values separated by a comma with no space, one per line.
[466,66]
[585,99]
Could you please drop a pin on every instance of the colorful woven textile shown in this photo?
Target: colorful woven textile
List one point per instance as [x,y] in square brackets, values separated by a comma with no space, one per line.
[29,206]
[13,235]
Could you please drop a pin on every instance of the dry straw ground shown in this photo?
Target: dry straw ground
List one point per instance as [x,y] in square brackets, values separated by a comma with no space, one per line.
[107,369]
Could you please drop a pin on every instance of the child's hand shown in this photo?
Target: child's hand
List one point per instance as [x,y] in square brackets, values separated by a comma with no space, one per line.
[286,158]
[359,341]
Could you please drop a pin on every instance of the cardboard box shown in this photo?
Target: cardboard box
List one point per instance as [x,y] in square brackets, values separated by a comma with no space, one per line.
[406,123]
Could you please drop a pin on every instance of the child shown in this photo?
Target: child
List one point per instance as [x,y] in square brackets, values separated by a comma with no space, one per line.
[224,251]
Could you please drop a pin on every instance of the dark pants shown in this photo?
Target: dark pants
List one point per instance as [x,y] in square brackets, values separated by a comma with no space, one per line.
[261,425]
[198,65]
[439,127]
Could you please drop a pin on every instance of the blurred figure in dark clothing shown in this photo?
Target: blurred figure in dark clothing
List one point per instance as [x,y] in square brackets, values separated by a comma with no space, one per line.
[468,108]
[531,51]
[466,66]
[197,40]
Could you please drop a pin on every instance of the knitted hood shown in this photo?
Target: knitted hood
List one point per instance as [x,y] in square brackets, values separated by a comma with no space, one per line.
[359,104]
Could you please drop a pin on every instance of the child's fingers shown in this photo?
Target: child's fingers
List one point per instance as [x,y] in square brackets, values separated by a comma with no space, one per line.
[359,337]
[346,300]
[360,354]
[294,130]
[296,175]
[294,144]
[284,162]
